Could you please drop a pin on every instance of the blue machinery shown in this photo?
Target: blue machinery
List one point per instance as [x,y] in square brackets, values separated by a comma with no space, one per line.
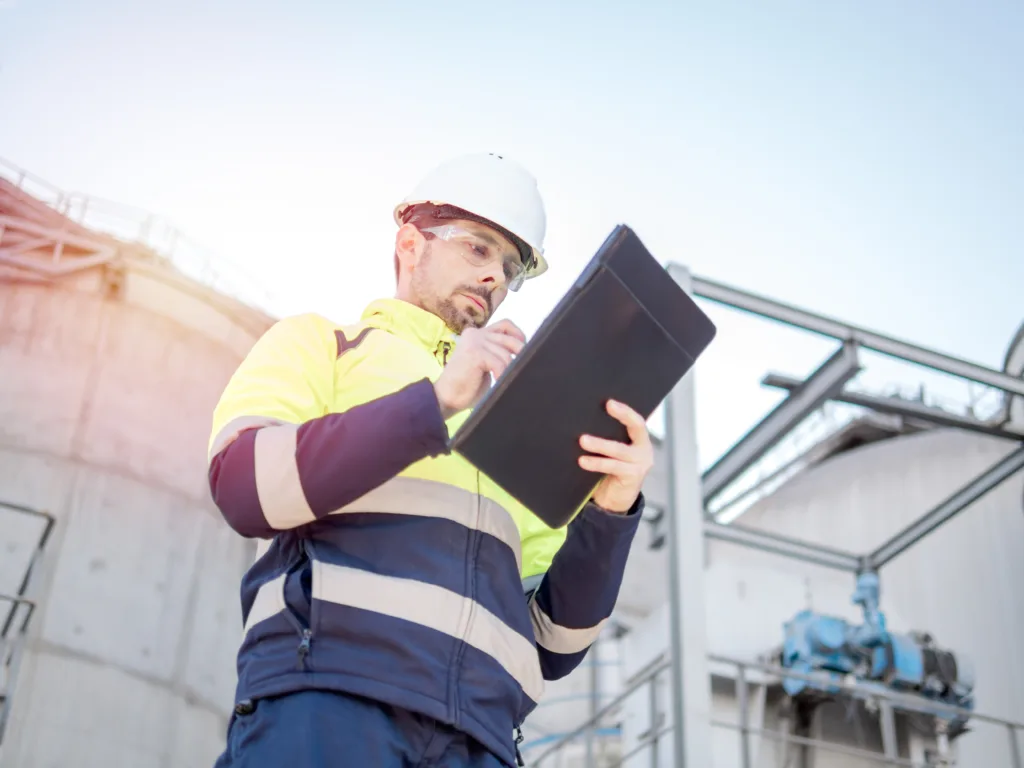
[874,656]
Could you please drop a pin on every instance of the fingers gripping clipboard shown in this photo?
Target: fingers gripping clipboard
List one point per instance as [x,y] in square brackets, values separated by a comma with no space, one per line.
[625,330]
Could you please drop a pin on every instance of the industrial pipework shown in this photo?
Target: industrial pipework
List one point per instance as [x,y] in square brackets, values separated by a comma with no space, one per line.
[909,663]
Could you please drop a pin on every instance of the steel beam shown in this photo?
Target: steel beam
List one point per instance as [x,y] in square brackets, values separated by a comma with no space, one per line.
[827,326]
[948,509]
[690,680]
[900,407]
[829,379]
[785,546]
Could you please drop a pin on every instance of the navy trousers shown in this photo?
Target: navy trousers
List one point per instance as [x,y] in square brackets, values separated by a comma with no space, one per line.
[321,729]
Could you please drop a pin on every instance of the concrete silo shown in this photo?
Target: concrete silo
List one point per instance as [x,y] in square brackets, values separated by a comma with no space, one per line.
[112,360]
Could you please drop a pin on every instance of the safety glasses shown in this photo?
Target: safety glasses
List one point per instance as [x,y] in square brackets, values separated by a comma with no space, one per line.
[480,251]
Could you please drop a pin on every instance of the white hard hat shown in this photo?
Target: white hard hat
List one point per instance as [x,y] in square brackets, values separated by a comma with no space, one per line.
[493,189]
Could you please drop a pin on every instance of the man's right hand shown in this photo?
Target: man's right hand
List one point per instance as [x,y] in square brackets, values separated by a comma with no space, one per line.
[480,354]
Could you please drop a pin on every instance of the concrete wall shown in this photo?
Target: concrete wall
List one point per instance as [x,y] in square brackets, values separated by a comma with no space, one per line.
[105,406]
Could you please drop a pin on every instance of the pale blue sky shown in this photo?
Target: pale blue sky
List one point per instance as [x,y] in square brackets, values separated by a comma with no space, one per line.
[860,158]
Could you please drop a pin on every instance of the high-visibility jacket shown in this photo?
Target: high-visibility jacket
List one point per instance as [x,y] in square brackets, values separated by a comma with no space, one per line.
[389,567]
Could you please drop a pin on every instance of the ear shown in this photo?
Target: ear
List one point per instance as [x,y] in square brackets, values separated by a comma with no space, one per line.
[409,245]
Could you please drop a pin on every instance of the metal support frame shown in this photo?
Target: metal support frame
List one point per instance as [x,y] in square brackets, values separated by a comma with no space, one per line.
[907,409]
[690,681]
[689,688]
[948,509]
[836,329]
[816,390]
[785,546]
[825,382]
[31,238]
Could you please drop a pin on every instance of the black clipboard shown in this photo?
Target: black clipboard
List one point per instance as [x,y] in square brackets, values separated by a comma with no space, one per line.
[624,330]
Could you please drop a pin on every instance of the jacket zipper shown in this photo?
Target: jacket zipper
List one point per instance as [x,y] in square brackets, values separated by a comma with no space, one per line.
[473,550]
[519,740]
[307,638]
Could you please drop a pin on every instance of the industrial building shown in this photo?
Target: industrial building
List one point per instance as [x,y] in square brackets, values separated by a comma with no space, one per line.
[736,641]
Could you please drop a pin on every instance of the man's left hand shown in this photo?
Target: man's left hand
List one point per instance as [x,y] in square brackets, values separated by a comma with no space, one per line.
[624,465]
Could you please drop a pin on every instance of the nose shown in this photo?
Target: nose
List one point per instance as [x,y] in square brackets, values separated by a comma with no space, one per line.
[492,274]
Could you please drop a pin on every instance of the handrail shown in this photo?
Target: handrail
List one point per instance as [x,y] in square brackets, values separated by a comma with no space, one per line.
[142,227]
[897,700]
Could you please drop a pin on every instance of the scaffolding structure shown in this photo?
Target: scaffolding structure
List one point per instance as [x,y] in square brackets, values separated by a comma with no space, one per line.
[689,489]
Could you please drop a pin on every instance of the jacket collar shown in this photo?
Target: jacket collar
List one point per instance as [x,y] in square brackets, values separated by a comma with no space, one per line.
[410,322]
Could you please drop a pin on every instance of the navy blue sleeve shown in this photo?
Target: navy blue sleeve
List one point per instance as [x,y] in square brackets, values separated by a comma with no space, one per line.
[274,478]
[577,594]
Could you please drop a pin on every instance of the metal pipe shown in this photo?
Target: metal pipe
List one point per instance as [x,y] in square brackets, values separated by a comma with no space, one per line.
[948,509]
[652,706]
[741,694]
[652,738]
[607,708]
[899,700]
[827,746]
[888,724]
[836,329]
[1014,747]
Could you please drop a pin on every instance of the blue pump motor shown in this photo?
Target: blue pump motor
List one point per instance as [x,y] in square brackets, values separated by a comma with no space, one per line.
[911,663]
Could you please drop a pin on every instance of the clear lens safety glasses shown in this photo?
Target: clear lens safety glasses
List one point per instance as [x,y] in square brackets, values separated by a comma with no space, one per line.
[480,252]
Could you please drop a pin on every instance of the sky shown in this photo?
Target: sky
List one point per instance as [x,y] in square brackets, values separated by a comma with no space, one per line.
[857,158]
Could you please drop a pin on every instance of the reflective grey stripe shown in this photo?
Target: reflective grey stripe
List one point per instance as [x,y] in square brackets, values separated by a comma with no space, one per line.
[437,608]
[234,428]
[277,478]
[530,583]
[269,602]
[560,639]
[429,498]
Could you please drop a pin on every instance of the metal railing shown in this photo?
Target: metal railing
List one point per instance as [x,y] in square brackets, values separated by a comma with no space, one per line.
[19,612]
[138,226]
[884,701]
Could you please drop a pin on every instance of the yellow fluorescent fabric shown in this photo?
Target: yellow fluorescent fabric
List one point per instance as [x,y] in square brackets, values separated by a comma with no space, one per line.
[294,373]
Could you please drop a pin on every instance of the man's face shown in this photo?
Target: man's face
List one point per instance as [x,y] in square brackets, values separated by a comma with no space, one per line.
[463,271]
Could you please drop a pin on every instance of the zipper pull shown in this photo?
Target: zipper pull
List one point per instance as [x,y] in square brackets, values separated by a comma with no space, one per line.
[307,635]
[445,349]
[519,740]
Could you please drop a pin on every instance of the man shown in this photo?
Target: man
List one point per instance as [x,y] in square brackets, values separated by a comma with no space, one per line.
[403,610]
